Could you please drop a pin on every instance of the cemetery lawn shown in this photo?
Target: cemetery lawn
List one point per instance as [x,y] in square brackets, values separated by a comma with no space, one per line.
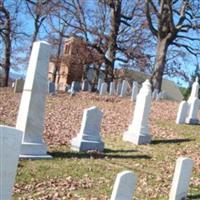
[72,175]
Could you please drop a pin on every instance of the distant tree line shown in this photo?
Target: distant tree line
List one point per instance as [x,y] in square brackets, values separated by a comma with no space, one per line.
[158,37]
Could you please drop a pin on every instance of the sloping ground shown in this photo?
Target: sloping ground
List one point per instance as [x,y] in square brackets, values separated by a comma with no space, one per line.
[73,175]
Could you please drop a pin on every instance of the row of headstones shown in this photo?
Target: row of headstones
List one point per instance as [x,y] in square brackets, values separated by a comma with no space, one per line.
[121,89]
[124,184]
[188,110]
[138,132]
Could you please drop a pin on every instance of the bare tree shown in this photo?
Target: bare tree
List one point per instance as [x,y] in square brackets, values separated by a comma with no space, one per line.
[38,10]
[172,22]
[5,34]
[110,27]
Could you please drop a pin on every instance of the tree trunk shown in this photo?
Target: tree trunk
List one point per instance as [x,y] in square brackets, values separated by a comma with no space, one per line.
[112,44]
[7,46]
[156,78]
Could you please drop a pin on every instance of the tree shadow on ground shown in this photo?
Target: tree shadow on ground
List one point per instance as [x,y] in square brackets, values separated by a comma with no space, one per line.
[98,155]
[119,150]
[171,141]
[195,196]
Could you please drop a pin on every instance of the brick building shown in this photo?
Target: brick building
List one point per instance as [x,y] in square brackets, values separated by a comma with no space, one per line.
[76,55]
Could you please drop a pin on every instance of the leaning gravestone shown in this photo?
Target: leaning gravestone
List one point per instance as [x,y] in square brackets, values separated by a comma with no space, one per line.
[18,86]
[138,131]
[30,118]
[124,88]
[112,89]
[51,88]
[124,186]
[103,90]
[10,142]
[182,112]
[89,137]
[181,179]
[134,92]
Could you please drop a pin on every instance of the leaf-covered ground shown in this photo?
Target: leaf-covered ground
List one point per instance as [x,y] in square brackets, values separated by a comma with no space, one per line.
[71,175]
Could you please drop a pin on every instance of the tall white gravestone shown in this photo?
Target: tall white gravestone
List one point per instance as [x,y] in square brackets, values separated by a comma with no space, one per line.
[182,112]
[181,179]
[103,90]
[194,105]
[89,136]
[134,92]
[138,131]
[112,88]
[10,143]
[124,186]
[124,88]
[30,118]
[195,89]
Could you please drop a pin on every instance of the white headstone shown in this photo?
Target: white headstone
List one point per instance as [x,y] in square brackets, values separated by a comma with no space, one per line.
[124,88]
[182,112]
[13,84]
[112,88]
[103,89]
[18,86]
[195,89]
[10,143]
[30,118]
[194,105]
[181,179]
[138,131]
[85,85]
[100,81]
[124,186]
[154,94]
[89,136]
[119,88]
[134,92]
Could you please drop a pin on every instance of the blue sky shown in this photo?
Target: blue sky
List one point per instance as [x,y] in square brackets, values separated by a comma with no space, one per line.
[27,24]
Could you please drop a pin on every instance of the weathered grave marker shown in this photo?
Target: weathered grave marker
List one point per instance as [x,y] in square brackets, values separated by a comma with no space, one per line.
[138,131]
[124,186]
[182,112]
[112,88]
[134,92]
[10,143]
[103,90]
[124,88]
[51,88]
[30,118]
[181,179]
[89,137]
[18,86]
